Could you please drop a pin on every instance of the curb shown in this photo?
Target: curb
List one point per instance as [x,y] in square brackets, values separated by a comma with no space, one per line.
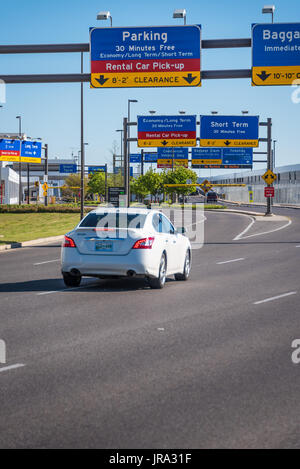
[33,242]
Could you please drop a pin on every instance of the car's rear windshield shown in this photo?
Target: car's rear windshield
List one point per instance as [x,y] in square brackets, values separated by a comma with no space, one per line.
[113,220]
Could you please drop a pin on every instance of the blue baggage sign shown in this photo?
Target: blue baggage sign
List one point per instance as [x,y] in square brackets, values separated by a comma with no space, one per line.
[275,53]
[136,57]
[68,168]
[229,131]
[31,152]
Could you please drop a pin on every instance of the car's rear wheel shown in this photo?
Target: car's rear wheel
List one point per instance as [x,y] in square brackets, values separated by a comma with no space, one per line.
[160,281]
[187,268]
[71,280]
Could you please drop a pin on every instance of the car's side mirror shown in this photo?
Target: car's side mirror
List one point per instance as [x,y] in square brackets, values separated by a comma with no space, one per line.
[181,230]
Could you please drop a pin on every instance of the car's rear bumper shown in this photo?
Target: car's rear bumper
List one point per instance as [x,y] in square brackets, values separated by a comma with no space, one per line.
[138,262]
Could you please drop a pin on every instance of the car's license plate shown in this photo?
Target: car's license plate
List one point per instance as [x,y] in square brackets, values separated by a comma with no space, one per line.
[104,246]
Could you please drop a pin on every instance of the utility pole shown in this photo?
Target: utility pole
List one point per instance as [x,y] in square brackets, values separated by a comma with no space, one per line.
[269,160]
[46,171]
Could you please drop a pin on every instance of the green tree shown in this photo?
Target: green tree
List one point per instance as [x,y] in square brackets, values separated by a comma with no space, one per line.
[153,182]
[137,187]
[96,184]
[73,185]
[179,176]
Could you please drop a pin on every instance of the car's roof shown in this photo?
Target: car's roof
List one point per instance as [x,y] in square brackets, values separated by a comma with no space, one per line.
[139,211]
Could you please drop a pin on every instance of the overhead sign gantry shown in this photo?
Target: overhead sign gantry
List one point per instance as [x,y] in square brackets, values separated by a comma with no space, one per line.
[145,56]
[163,131]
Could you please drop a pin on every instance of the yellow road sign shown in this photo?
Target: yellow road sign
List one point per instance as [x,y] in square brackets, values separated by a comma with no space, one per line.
[206,186]
[228,143]
[167,143]
[142,80]
[279,75]
[45,186]
[216,162]
[45,193]
[269,177]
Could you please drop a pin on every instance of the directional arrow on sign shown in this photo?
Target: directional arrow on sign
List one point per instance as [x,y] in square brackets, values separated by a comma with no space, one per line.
[227,143]
[164,142]
[102,80]
[189,78]
[263,75]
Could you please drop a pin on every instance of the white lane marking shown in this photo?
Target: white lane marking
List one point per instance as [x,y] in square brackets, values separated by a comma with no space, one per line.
[161,329]
[232,260]
[275,297]
[46,262]
[66,289]
[239,236]
[11,367]
[297,246]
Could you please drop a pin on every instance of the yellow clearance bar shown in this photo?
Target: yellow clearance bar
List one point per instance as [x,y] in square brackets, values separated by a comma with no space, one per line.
[167,143]
[182,162]
[216,162]
[265,76]
[228,143]
[164,162]
[142,80]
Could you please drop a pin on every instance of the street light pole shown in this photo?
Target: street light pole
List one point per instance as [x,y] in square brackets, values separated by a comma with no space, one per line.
[46,171]
[128,150]
[81,146]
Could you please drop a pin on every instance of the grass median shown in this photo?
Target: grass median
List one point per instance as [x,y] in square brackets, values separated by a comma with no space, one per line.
[18,227]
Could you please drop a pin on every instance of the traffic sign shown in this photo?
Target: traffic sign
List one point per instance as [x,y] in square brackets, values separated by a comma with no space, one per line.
[229,131]
[150,157]
[31,152]
[156,56]
[68,168]
[206,186]
[275,53]
[269,177]
[164,163]
[180,153]
[9,150]
[163,131]
[135,158]
[228,158]
[45,186]
[95,169]
[269,192]
[114,194]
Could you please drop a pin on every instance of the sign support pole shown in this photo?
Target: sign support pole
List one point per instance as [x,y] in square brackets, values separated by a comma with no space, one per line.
[270,162]
[106,195]
[28,184]
[142,162]
[81,147]
[126,165]
[46,170]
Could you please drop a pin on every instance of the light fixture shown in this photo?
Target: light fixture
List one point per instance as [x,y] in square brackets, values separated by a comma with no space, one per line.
[270,10]
[104,15]
[180,14]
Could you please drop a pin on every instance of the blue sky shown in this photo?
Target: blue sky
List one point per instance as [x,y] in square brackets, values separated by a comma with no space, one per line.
[52,111]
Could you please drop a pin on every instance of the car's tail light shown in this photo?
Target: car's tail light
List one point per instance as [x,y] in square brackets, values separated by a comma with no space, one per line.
[68,242]
[145,243]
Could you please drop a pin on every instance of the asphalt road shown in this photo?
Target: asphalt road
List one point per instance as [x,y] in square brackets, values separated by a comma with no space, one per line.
[199,364]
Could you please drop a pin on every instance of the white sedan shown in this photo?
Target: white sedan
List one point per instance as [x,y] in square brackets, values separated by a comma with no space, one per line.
[119,242]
